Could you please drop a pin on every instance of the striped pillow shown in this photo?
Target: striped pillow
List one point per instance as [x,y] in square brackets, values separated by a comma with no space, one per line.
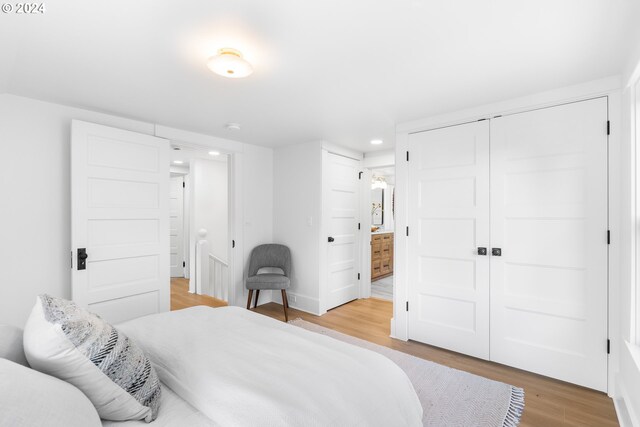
[68,342]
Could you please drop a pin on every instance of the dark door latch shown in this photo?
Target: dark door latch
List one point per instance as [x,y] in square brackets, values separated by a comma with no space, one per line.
[482,251]
[331,239]
[496,252]
[82,258]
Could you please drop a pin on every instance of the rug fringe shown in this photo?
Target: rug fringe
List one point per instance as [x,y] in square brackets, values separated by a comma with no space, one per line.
[516,406]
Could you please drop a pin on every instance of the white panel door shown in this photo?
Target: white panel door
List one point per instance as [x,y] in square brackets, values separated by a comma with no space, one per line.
[342,199]
[120,215]
[549,218]
[176,226]
[448,222]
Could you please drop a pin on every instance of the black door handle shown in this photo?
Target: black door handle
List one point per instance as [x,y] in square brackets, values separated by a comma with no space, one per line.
[331,239]
[496,251]
[482,251]
[82,258]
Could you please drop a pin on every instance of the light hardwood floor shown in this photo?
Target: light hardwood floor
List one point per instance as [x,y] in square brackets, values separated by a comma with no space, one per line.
[548,402]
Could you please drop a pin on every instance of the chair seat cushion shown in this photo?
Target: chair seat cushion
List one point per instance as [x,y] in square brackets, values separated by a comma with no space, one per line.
[268,281]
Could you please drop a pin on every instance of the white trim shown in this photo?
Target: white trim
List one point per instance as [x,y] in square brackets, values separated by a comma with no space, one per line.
[365,234]
[399,322]
[302,302]
[379,159]
[342,151]
[198,140]
[540,100]
[615,196]
[604,87]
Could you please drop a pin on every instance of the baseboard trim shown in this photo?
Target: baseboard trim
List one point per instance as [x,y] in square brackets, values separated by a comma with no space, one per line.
[302,302]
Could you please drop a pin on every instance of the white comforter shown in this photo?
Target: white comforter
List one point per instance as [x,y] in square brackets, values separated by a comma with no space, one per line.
[240,368]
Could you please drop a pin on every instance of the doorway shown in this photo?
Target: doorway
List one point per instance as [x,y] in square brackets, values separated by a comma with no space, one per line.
[382,232]
[199,225]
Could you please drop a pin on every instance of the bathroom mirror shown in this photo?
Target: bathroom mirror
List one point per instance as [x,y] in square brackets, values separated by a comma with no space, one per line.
[377,206]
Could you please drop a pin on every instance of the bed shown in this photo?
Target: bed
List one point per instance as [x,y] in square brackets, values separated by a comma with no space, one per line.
[232,367]
[223,367]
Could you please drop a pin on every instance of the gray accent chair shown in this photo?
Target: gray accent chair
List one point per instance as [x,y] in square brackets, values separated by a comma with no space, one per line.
[269,256]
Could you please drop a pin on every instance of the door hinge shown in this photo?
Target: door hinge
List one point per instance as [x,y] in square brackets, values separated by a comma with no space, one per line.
[233,244]
[407,230]
[358,226]
[407,305]
[608,346]
[608,237]
[407,156]
[358,276]
[360,175]
[184,264]
[608,127]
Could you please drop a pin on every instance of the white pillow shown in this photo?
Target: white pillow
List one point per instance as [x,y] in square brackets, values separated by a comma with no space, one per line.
[11,344]
[68,342]
[31,398]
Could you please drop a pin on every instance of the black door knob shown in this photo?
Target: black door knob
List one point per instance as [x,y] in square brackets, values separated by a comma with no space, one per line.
[482,251]
[331,239]
[82,258]
[496,252]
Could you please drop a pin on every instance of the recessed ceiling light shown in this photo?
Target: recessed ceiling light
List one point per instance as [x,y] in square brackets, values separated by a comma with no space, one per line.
[376,141]
[233,126]
[214,153]
[229,63]
[178,162]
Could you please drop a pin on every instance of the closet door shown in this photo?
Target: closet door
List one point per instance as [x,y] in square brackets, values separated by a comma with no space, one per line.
[549,218]
[448,221]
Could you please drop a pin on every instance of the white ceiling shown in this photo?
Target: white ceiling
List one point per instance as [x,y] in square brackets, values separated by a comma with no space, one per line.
[343,71]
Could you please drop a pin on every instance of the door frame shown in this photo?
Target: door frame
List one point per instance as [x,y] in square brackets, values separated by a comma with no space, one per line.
[609,87]
[368,164]
[233,150]
[181,176]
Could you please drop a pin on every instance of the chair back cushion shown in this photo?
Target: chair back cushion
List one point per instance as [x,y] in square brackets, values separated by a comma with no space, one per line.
[270,255]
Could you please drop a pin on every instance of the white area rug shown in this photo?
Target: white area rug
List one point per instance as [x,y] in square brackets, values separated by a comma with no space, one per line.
[449,397]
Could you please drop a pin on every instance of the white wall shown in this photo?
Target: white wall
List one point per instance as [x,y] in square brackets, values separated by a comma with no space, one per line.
[297,215]
[210,204]
[257,205]
[378,159]
[35,190]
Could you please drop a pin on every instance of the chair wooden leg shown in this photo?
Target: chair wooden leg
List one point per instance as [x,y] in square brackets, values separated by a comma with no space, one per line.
[257,295]
[285,304]
[249,299]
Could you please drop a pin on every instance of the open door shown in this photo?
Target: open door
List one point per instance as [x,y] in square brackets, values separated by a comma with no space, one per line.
[341,201]
[119,221]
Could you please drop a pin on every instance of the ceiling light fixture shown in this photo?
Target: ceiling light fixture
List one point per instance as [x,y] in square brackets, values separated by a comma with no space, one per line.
[229,63]
[376,141]
[232,126]
[214,153]
[178,162]
[378,182]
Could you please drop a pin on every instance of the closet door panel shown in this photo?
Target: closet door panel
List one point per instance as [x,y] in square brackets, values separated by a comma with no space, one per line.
[448,220]
[549,217]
